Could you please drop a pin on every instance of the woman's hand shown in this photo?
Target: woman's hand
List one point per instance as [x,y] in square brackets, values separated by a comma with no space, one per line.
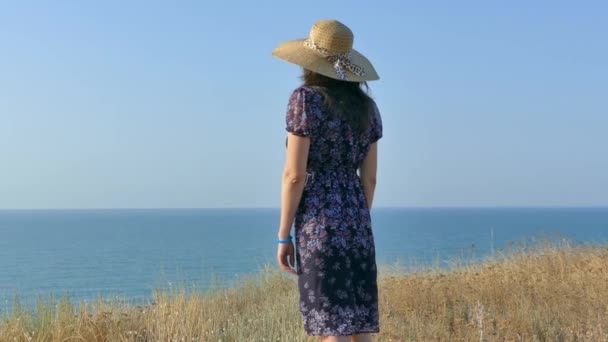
[285,255]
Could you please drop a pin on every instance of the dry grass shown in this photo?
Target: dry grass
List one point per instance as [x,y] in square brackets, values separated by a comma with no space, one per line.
[546,293]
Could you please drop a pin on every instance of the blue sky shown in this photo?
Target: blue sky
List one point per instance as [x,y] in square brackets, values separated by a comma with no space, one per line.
[120,104]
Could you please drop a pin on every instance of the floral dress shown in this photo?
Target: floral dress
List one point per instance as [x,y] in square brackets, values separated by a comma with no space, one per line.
[334,242]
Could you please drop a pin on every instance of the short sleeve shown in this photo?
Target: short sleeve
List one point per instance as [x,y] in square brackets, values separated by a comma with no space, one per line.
[376,124]
[298,118]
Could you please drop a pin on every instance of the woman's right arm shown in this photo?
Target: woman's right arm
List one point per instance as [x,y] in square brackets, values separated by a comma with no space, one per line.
[367,172]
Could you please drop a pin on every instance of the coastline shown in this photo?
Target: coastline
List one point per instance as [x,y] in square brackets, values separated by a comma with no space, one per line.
[545,292]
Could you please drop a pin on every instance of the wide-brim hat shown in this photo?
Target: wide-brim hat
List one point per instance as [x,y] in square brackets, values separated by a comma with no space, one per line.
[328,50]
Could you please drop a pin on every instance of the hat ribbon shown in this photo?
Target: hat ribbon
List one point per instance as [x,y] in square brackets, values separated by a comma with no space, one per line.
[339,61]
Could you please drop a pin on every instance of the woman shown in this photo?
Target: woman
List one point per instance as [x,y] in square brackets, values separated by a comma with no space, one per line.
[333,128]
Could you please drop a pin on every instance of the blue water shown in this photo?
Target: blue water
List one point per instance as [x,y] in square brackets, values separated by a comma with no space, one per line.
[129,253]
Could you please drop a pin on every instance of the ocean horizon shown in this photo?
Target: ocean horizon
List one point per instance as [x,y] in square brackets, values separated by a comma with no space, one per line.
[129,252]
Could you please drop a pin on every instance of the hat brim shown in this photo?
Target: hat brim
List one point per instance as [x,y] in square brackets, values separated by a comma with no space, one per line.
[295,52]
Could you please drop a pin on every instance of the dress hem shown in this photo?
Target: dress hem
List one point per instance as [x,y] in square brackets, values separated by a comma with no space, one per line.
[373,331]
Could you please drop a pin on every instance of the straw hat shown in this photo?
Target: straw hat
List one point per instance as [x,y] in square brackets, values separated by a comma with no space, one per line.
[328,50]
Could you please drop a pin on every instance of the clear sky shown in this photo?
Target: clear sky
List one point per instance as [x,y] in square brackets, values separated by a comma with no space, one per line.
[125,104]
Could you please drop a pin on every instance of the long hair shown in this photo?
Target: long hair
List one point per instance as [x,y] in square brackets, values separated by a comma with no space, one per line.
[343,98]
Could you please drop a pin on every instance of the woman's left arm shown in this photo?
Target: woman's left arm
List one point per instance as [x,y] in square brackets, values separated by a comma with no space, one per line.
[293,182]
[294,175]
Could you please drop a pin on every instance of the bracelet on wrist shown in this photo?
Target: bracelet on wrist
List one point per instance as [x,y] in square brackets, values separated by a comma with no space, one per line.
[286,240]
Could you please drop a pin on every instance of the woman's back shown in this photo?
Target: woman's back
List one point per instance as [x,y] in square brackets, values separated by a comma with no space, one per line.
[335,144]
[334,240]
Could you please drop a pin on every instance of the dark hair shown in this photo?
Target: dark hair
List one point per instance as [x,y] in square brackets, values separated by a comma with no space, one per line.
[343,98]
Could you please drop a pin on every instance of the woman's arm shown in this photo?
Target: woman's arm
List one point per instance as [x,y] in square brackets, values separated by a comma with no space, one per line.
[367,172]
[294,175]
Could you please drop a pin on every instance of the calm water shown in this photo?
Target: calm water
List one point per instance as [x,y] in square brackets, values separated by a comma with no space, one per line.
[129,253]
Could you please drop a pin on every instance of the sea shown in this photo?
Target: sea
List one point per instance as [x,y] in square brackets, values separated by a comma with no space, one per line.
[128,254]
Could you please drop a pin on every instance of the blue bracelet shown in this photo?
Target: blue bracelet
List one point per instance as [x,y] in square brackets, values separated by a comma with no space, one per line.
[284,240]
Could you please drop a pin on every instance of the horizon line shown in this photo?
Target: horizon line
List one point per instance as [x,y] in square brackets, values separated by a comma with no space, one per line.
[600,206]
